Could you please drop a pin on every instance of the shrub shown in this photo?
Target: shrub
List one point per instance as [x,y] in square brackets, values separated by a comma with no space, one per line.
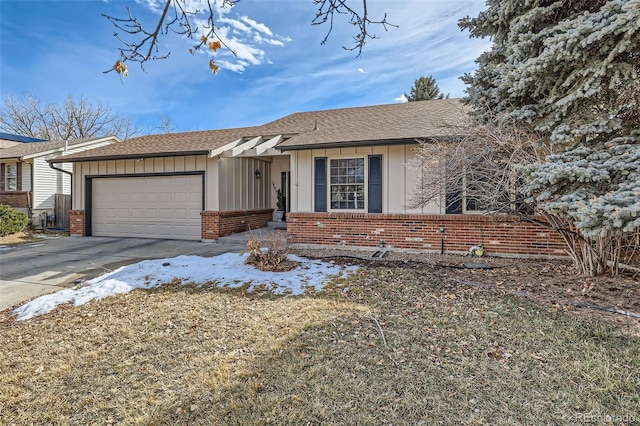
[11,220]
[272,257]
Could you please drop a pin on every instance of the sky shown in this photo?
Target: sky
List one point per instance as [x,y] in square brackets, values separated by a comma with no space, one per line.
[225,270]
[56,48]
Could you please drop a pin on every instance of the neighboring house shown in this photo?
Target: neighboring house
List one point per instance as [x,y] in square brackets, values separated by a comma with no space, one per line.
[8,139]
[29,183]
[344,174]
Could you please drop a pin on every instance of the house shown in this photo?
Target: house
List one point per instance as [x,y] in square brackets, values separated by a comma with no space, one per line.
[28,182]
[343,172]
[8,139]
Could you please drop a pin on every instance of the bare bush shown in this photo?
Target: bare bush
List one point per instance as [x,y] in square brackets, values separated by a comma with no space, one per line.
[477,167]
[271,254]
[482,169]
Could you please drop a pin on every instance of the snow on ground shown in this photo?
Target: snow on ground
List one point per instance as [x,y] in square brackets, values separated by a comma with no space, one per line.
[226,270]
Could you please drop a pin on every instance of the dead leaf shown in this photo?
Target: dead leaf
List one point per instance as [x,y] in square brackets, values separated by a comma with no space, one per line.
[213,66]
[121,68]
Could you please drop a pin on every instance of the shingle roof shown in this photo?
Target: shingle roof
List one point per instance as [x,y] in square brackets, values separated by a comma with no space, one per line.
[394,122]
[22,149]
[371,124]
[165,144]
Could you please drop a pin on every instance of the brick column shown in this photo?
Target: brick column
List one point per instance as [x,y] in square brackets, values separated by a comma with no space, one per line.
[76,223]
[210,225]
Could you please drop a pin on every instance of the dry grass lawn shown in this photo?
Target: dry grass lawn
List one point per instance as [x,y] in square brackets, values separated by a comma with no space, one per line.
[21,237]
[30,236]
[389,345]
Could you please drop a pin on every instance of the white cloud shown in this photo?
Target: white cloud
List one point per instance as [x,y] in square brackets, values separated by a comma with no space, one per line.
[402,99]
[241,35]
[239,66]
[361,71]
[259,39]
[308,76]
[238,26]
[153,5]
[257,25]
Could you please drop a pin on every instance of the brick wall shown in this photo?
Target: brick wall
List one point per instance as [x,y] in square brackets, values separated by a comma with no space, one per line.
[76,223]
[217,224]
[500,235]
[16,199]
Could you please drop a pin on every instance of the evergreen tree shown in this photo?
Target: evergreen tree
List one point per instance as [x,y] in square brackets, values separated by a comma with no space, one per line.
[570,70]
[424,89]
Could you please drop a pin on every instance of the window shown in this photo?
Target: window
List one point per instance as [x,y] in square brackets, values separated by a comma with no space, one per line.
[473,193]
[347,180]
[11,179]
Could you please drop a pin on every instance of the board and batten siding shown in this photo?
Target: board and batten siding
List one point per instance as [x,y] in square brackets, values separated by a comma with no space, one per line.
[399,181]
[239,187]
[66,179]
[191,163]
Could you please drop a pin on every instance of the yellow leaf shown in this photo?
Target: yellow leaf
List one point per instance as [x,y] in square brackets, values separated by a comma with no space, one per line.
[121,68]
[215,45]
[204,39]
[213,66]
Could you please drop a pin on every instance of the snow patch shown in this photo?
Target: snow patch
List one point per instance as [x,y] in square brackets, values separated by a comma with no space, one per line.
[226,270]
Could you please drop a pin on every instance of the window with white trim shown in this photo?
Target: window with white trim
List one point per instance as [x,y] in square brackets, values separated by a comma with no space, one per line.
[347,184]
[11,178]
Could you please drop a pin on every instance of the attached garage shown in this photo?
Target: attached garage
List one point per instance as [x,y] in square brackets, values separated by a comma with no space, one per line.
[166,206]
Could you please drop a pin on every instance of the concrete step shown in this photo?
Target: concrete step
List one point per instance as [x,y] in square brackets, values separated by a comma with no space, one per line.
[277,225]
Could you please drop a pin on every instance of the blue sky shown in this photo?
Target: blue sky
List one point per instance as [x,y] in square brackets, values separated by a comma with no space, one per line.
[54,48]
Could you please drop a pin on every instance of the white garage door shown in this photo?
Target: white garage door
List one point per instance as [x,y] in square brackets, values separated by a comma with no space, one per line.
[147,207]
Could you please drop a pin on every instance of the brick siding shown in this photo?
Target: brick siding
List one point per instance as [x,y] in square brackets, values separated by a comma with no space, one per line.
[16,199]
[76,223]
[500,235]
[217,224]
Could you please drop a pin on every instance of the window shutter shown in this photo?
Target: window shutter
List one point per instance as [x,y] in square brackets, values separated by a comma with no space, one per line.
[320,184]
[18,176]
[375,184]
[2,177]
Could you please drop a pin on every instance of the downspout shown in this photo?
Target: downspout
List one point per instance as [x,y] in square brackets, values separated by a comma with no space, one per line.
[66,146]
[63,171]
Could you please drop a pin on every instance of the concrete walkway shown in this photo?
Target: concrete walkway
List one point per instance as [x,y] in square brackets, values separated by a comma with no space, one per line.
[34,269]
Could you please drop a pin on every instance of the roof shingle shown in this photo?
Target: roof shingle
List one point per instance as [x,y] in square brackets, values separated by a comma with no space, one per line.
[393,122]
[412,120]
[22,149]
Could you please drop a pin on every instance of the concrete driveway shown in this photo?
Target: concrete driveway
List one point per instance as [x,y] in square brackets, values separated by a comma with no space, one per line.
[34,269]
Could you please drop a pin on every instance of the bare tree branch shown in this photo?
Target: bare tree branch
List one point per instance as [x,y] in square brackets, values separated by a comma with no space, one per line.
[479,167]
[75,119]
[327,9]
[141,45]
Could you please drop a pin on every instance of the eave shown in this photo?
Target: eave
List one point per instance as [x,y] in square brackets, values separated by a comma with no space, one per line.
[128,156]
